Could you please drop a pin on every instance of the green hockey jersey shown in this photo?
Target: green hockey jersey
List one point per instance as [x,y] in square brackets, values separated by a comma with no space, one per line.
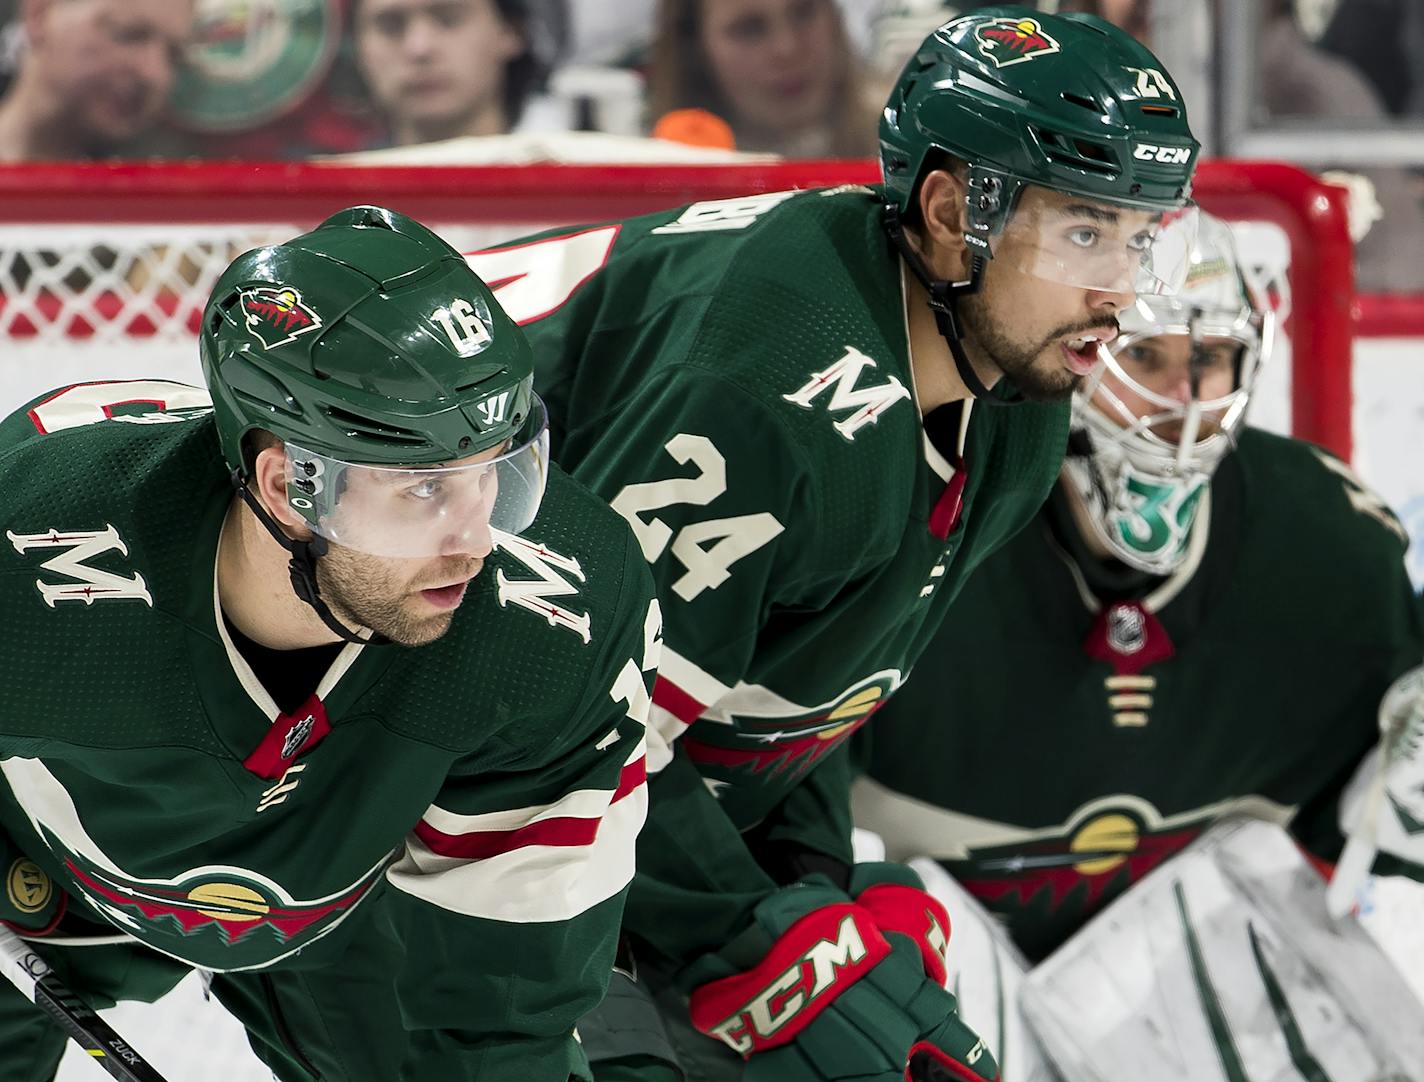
[487,788]
[1092,738]
[734,378]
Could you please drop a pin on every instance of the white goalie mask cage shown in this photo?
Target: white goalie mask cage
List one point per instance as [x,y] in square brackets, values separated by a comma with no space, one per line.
[1142,466]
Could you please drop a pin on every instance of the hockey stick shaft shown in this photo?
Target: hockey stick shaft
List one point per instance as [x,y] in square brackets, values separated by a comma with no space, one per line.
[32,975]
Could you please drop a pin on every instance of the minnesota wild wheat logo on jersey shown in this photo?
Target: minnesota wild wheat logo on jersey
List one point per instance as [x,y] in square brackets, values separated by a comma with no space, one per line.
[275,315]
[1097,853]
[218,917]
[534,594]
[1013,41]
[757,731]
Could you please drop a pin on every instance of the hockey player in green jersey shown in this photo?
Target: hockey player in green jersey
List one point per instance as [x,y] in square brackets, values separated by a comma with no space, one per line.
[323,680]
[1201,622]
[785,395]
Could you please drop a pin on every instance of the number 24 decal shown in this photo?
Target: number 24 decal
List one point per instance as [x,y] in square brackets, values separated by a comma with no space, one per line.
[707,549]
[534,280]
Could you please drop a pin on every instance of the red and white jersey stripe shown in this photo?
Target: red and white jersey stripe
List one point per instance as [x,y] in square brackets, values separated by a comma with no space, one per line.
[536,864]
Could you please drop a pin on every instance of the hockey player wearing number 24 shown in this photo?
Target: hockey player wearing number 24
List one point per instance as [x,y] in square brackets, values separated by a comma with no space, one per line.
[1211,615]
[789,398]
[328,683]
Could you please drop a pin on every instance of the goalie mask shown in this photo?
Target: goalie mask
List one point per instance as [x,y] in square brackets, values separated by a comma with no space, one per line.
[1167,402]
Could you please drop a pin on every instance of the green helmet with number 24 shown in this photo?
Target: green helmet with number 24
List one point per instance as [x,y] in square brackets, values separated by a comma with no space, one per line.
[1068,102]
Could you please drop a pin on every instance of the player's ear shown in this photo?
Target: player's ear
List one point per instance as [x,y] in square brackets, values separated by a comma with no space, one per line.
[943,217]
[269,481]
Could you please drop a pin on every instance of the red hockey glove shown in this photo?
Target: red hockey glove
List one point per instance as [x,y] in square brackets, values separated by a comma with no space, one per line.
[834,998]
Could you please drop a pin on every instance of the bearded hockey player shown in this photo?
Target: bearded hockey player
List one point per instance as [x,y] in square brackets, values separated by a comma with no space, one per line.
[785,396]
[1203,620]
[323,680]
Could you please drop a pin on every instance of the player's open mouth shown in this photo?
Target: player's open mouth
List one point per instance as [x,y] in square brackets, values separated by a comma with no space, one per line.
[1081,351]
[445,597]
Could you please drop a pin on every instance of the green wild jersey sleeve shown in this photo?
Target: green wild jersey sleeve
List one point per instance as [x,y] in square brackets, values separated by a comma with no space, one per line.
[510,892]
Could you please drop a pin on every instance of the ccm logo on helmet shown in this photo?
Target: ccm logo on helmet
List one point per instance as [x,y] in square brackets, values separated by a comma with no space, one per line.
[1146,152]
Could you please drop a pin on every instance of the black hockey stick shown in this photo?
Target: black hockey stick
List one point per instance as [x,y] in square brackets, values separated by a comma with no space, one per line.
[31,974]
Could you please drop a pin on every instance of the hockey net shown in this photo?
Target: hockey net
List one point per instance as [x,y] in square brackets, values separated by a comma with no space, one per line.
[104,271]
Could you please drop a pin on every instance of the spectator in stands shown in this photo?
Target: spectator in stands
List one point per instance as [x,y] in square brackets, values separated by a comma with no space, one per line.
[1384,40]
[93,76]
[780,72]
[438,69]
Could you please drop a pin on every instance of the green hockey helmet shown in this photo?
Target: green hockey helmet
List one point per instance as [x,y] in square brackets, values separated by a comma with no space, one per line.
[1068,103]
[399,387]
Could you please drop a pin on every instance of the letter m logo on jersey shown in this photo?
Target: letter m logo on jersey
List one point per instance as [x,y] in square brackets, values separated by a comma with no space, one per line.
[87,584]
[534,594]
[841,379]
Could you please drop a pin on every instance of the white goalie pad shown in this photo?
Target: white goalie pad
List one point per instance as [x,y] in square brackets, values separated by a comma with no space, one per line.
[986,973]
[1223,965]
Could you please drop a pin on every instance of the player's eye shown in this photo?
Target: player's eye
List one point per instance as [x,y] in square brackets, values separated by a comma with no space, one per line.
[1142,242]
[425,490]
[1142,354]
[1083,236]
[1221,358]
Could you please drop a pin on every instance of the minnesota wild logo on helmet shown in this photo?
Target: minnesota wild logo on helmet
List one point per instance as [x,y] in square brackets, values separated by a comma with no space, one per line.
[276,315]
[1012,41]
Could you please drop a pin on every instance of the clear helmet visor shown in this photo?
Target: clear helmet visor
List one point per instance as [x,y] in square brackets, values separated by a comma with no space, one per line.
[424,511]
[1100,246]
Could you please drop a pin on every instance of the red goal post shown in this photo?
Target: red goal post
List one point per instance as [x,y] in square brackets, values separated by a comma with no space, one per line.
[72,275]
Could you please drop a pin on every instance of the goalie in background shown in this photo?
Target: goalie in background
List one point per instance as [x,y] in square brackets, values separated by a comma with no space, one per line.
[1202,621]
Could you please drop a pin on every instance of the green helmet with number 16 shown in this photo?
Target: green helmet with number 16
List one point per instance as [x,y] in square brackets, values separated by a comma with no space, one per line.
[368,339]
[401,392]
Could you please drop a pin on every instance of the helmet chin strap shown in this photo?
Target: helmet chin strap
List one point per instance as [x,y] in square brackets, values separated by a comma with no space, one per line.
[302,567]
[944,296]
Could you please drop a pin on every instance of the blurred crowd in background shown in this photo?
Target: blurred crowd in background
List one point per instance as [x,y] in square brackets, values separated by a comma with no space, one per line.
[286,79]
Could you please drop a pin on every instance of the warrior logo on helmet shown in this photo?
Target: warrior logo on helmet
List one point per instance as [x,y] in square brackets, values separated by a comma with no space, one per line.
[275,315]
[1012,41]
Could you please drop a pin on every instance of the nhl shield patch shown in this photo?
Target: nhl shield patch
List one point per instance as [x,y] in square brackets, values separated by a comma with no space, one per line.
[276,315]
[1013,41]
